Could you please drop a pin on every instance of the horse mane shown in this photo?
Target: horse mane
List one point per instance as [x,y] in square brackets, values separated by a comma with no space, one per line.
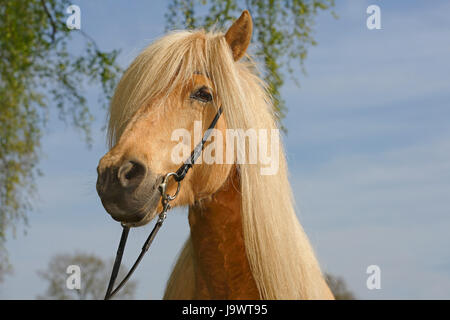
[280,256]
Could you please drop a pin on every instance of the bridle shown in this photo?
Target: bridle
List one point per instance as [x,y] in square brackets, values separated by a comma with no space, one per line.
[166,198]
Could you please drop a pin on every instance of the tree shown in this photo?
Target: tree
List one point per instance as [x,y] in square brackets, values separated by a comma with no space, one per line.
[5,268]
[282,31]
[40,75]
[338,287]
[95,275]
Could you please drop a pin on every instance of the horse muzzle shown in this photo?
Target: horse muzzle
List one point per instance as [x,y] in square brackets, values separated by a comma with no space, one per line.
[129,192]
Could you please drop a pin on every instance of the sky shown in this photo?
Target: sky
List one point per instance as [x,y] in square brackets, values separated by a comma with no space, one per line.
[368,148]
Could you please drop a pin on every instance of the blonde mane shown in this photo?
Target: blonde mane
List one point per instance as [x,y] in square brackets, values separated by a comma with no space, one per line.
[280,256]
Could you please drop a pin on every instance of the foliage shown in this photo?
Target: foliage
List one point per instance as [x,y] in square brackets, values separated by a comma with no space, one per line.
[282,31]
[95,275]
[338,287]
[39,74]
[5,268]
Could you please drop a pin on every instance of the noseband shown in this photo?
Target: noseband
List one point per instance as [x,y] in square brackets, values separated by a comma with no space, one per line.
[178,176]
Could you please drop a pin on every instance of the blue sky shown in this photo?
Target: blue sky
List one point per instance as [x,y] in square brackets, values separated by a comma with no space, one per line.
[368,149]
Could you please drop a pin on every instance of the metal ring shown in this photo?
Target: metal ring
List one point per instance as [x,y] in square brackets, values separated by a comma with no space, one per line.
[165,180]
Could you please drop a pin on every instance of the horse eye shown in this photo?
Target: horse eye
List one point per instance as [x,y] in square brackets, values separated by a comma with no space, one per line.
[202,95]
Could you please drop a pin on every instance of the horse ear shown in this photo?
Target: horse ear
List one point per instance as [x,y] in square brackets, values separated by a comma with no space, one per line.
[239,35]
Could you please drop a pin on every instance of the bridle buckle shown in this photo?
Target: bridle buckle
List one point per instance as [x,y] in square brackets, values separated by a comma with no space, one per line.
[163,187]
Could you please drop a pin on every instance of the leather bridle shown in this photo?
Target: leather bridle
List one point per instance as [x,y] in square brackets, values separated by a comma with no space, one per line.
[178,176]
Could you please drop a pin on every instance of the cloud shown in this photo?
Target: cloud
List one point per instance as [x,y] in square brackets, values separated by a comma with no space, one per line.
[355,68]
[389,208]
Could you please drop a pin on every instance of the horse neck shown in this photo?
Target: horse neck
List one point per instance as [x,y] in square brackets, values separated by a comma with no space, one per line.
[221,267]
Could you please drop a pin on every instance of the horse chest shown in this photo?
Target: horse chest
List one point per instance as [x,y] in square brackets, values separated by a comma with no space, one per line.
[222,270]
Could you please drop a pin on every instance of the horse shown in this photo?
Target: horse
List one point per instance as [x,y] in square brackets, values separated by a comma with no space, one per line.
[245,241]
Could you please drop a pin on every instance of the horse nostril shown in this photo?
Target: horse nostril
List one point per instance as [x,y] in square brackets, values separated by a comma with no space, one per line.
[131,173]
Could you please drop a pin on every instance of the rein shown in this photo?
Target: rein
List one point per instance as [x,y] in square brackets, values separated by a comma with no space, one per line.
[178,176]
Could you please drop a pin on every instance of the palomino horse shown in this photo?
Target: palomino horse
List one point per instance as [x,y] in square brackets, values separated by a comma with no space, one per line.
[245,241]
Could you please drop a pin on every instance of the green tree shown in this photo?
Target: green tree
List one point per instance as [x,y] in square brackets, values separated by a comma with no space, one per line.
[339,287]
[40,75]
[5,268]
[95,275]
[282,31]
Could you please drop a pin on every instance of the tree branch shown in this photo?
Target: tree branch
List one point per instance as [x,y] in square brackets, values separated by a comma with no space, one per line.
[52,22]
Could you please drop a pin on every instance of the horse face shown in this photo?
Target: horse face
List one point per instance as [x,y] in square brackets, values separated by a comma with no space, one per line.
[130,173]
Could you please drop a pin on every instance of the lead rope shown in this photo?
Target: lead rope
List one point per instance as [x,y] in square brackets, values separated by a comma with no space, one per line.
[165,201]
